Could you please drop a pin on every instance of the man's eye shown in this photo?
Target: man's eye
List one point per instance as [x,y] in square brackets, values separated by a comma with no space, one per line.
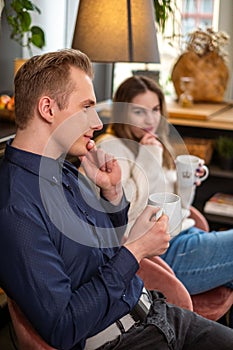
[156,109]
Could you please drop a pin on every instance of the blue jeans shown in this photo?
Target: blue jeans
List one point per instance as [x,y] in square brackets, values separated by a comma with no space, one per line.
[202,260]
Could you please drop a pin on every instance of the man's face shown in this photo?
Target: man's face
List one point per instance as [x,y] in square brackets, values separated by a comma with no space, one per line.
[74,126]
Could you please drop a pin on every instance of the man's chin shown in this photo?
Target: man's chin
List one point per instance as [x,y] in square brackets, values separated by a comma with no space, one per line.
[76,152]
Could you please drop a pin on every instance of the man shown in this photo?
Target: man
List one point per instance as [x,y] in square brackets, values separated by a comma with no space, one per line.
[60,253]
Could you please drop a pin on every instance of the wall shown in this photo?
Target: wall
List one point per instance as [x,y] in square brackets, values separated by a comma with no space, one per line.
[225,23]
[8,51]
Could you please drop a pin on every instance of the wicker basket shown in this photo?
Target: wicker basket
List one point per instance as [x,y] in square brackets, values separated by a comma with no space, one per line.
[209,72]
[202,148]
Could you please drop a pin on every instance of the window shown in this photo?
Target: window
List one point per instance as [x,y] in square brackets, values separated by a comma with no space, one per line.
[196,14]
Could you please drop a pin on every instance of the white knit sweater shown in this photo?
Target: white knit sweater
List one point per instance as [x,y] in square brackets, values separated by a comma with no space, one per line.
[141,175]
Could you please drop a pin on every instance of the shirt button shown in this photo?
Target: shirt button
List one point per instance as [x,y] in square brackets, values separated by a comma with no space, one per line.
[55,179]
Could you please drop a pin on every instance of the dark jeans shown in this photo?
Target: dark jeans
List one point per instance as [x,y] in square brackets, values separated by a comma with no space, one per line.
[169,327]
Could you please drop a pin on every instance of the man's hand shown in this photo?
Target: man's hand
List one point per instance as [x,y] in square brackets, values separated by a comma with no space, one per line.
[104,171]
[148,237]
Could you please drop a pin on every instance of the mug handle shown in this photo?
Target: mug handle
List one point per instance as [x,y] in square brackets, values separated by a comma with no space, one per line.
[205,175]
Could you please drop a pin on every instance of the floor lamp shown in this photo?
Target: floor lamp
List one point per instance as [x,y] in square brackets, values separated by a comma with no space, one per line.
[110,31]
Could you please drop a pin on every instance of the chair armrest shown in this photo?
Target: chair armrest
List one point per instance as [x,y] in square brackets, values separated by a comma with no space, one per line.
[157,275]
[199,219]
[27,336]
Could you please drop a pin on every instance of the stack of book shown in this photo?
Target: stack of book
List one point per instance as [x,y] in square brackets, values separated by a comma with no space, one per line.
[220,204]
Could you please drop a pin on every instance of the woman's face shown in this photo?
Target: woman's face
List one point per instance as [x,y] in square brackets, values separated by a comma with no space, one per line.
[144,114]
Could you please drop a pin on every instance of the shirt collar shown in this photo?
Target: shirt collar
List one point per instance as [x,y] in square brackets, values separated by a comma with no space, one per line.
[48,168]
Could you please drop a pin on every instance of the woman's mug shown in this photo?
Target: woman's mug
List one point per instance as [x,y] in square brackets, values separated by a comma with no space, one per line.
[170,204]
[187,167]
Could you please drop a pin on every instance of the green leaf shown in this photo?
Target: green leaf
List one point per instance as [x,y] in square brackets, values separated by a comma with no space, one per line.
[11,20]
[17,6]
[38,37]
[28,5]
[25,20]
[163,11]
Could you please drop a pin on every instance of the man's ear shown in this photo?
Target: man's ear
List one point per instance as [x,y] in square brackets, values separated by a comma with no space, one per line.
[46,108]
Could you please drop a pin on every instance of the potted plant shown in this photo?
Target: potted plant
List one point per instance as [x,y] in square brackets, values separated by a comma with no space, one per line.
[18,15]
[224,148]
[163,11]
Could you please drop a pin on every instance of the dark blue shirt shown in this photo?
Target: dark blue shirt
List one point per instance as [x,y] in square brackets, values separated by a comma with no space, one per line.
[60,257]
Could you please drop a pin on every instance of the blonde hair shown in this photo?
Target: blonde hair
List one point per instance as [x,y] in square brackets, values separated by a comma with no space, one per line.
[46,74]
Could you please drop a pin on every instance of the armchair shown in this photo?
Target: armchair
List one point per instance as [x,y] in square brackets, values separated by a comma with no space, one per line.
[157,274]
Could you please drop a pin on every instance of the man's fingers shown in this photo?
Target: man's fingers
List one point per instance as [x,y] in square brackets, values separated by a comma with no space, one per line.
[105,161]
[91,145]
[100,159]
[158,215]
[152,212]
[110,160]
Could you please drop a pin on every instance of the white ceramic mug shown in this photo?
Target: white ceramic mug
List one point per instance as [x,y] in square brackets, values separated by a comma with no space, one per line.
[186,167]
[170,203]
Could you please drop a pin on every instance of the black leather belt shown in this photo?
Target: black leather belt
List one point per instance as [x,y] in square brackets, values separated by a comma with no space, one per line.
[122,325]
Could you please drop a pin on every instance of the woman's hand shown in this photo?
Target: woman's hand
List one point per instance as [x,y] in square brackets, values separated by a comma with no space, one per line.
[150,139]
[200,171]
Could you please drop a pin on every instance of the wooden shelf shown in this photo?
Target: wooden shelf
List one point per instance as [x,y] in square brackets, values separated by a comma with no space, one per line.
[198,111]
[216,171]
[219,219]
[218,116]
[7,115]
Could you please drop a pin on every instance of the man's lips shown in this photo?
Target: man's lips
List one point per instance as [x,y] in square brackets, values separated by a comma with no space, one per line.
[151,130]
[88,136]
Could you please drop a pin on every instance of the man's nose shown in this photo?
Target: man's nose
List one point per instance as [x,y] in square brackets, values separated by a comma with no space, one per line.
[95,121]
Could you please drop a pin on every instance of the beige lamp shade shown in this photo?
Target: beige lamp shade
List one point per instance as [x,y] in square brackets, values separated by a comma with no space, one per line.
[117,31]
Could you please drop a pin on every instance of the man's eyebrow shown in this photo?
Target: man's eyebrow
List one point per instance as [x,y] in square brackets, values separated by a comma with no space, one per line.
[89,102]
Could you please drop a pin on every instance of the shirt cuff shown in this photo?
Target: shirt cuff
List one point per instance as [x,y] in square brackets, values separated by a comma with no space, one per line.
[111,208]
[125,264]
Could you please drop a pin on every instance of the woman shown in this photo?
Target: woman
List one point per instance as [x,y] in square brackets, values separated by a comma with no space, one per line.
[201,261]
